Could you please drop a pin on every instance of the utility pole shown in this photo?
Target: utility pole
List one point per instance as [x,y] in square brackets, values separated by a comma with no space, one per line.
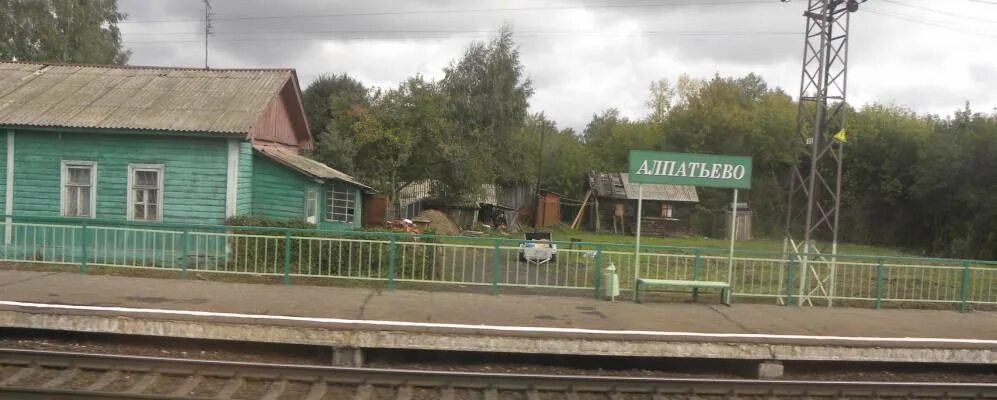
[207,29]
[812,211]
[541,201]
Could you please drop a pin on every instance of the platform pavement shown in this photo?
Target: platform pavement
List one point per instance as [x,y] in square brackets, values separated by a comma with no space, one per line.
[560,320]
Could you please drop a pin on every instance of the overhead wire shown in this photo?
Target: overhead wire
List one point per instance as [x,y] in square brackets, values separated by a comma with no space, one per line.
[221,17]
[942,12]
[924,21]
[417,34]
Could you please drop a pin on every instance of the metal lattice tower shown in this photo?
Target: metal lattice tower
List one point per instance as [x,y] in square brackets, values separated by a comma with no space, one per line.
[815,183]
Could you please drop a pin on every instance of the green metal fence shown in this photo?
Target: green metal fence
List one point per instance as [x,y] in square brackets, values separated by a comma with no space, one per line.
[784,278]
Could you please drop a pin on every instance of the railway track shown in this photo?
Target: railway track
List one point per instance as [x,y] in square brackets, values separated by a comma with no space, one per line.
[30,374]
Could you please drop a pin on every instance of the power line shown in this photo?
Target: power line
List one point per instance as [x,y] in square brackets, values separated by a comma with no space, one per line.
[942,12]
[923,21]
[445,33]
[461,11]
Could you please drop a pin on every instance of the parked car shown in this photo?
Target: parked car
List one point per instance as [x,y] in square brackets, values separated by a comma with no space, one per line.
[539,247]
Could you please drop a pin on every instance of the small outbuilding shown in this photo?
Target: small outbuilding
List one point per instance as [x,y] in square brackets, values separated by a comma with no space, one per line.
[495,205]
[613,203]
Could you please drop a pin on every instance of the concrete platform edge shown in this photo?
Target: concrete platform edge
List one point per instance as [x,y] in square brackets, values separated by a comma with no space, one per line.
[395,339]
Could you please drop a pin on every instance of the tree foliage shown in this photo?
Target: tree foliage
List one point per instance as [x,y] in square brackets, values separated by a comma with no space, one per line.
[396,136]
[488,97]
[333,104]
[66,31]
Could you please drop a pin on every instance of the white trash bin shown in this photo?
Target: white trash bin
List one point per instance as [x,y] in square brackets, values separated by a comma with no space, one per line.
[611,282]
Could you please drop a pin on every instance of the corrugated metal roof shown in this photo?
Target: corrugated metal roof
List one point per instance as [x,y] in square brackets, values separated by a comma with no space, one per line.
[146,98]
[616,185]
[304,165]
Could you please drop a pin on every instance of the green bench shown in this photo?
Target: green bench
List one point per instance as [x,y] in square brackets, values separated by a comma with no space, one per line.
[643,284]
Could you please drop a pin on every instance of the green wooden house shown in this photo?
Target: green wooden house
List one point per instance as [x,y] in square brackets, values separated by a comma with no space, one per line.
[154,144]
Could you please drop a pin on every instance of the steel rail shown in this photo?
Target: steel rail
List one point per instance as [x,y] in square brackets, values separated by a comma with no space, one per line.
[460,380]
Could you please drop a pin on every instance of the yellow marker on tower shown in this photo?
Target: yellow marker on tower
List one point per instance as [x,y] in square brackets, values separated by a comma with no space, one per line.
[841,136]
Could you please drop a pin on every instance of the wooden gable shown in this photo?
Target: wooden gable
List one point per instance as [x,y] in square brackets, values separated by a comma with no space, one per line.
[283,121]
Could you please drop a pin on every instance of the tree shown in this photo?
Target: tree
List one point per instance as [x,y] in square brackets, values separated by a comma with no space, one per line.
[488,95]
[333,104]
[610,137]
[396,135]
[66,31]
[329,97]
[566,157]
[738,116]
[659,101]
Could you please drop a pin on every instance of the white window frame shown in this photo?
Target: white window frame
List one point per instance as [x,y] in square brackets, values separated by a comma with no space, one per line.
[64,166]
[130,204]
[331,214]
[667,210]
[311,196]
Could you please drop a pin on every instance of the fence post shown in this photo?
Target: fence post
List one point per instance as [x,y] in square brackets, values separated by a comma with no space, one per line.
[964,287]
[598,271]
[391,263]
[185,261]
[495,266]
[790,267]
[696,267]
[696,263]
[287,257]
[879,282]
[84,248]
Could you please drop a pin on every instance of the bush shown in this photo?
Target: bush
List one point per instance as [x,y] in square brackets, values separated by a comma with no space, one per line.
[256,220]
[351,254]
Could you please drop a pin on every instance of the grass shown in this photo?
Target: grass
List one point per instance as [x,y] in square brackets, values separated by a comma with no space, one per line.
[562,233]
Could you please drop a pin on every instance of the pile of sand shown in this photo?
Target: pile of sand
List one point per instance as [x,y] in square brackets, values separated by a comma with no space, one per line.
[438,222]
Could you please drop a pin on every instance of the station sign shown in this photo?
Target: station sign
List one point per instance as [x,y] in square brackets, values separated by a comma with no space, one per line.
[705,170]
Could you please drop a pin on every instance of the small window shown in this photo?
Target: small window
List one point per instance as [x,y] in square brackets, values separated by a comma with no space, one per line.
[666,210]
[145,192]
[311,206]
[79,196]
[339,204]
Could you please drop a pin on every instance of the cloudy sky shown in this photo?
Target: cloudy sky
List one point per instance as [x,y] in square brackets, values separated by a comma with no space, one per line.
[587,56]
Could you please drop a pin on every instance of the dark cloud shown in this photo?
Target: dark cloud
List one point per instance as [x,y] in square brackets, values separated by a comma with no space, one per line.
[583,56]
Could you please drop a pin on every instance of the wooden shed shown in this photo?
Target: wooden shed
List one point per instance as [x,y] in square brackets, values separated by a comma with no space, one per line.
[666,208]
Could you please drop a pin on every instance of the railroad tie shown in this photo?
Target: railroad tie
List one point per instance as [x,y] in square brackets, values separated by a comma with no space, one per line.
[67,375]
[491,394]
[364,392]
[230,388]
[404,393]
[317,392]
[146,382]
[275,390]
[187,386]
[22,373]
[571,394]
[532,394]
[105,379]
[447,393]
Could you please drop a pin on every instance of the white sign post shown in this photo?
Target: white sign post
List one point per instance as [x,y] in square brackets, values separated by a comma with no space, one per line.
[640,211]
[733,232]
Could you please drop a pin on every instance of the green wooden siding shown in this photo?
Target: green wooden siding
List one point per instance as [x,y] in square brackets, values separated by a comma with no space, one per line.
[194,172]
[244,198]
[3,170]
[279,192]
